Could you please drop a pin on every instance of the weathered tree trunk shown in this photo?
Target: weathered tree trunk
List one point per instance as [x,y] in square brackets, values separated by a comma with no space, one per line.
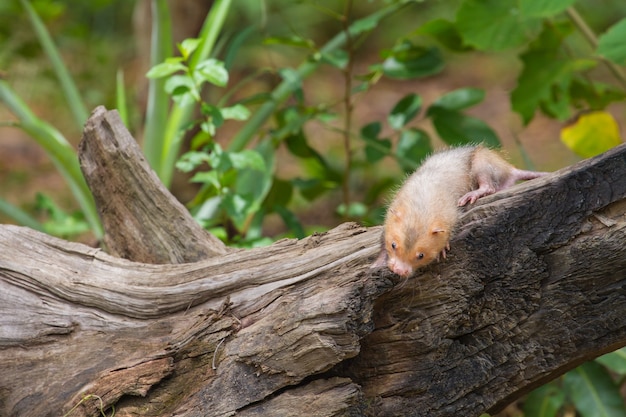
[533,286]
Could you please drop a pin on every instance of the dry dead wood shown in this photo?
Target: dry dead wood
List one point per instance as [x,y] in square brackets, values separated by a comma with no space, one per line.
[533,286]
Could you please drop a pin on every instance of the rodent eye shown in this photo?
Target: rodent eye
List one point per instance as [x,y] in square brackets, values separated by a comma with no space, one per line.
[393,245]
[420,256]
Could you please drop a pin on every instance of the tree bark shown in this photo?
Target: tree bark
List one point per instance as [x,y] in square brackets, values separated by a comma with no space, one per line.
[533,286]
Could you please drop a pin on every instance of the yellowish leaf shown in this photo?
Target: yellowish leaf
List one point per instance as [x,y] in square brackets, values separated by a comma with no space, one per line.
[593,133]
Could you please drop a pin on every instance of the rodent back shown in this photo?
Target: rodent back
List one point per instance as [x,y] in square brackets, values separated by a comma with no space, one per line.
[423,213]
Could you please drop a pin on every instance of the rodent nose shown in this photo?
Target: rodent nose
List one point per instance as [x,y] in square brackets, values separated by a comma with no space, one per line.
[400,268]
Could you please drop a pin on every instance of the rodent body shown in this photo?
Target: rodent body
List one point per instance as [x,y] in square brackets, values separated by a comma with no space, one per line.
[422,215]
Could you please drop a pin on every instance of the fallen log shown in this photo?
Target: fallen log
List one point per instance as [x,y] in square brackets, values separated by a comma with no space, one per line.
[533,286]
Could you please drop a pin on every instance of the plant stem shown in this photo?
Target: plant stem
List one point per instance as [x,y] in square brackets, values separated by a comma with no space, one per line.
[580,23]
[348,107]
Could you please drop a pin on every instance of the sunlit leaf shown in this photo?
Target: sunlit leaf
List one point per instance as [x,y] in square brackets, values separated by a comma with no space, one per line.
[213,71]
[164,69]
[236,112]
[187,46]
[591,134]
[247,158]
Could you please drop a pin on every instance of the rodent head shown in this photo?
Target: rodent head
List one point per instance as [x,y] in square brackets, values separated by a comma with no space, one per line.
[407,253]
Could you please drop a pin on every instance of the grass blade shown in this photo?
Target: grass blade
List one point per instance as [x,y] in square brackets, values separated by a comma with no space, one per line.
[20,216]
[158,100]
[68,86]
[120,97]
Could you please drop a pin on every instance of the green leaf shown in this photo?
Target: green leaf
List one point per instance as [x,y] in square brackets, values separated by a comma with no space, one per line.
[371,130]
[365,24]
[495,25]
[210,178]
[191,160]
[593,392]
[165,68]
[456,128]
[298,146]
[247,158]
[408,61]
[594,95]
[291,221]
[445,32]
[413,146]
[337,58]
[544,8]
[208,210]
[236,112]
[615,361]
[377,149]
[238,207]
[180,85]
[460,99]
[546,76]
[611,44]
[213,71]
[313,187]
[279,195]
[187,46]
[545,401]
[404,111]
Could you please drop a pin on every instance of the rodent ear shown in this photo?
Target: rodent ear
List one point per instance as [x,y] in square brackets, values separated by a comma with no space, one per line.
[437,229]
[395,212]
